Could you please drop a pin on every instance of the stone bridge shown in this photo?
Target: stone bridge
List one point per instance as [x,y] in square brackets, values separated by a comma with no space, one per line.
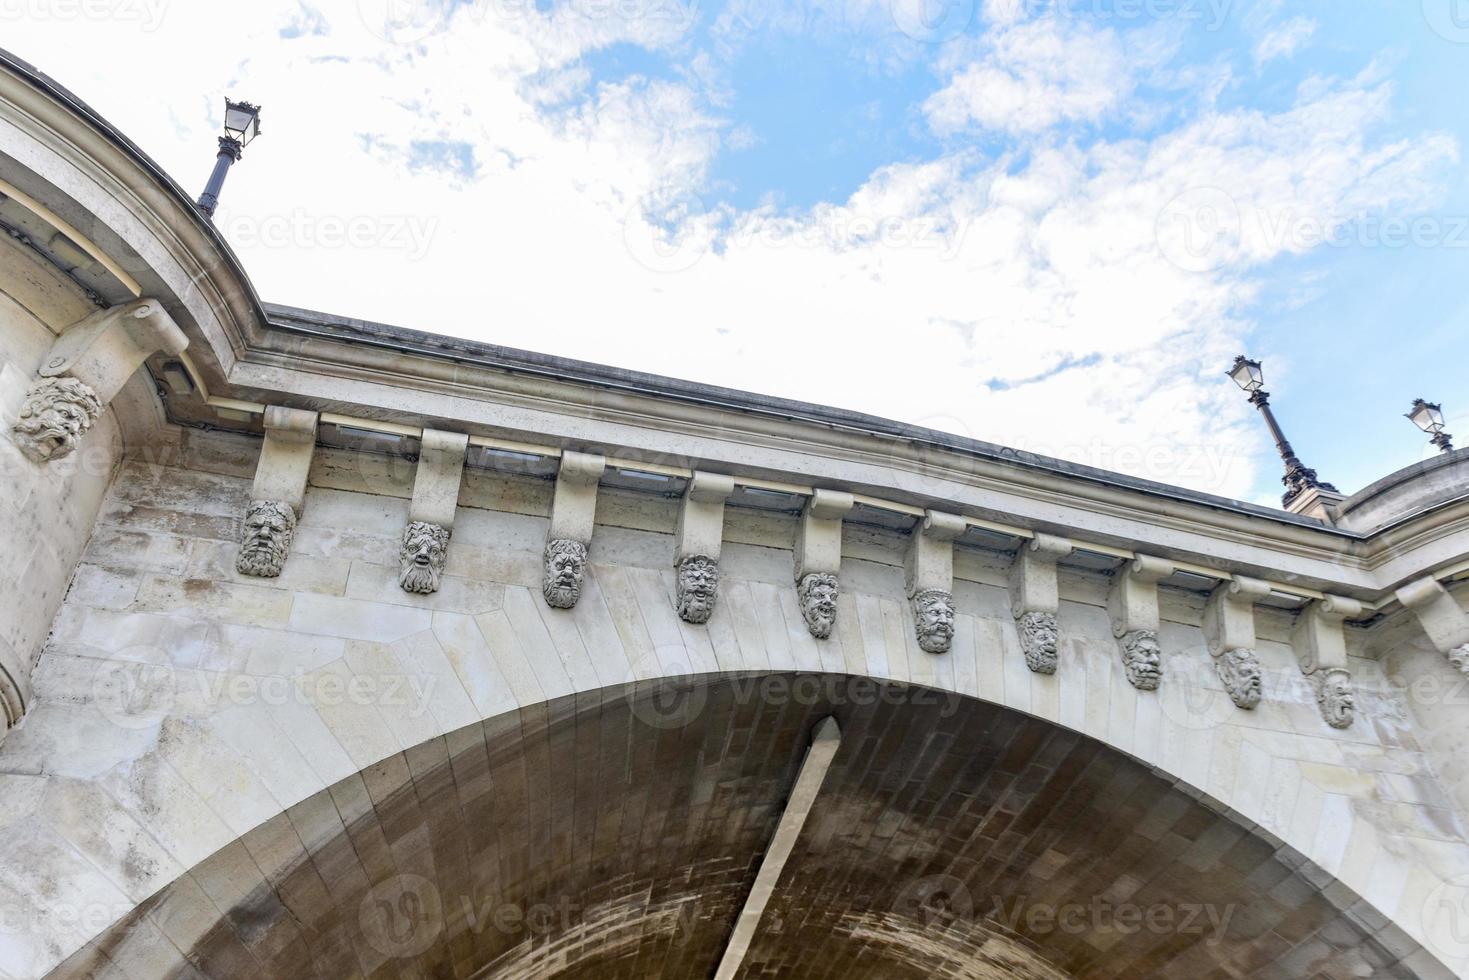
[332,649]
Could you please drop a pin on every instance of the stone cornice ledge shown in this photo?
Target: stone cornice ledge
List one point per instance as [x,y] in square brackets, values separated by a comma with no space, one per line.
[334,364]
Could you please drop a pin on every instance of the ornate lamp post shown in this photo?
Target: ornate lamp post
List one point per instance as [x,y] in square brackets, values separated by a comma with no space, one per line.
[1429,417]
[1298,477]
[241,125]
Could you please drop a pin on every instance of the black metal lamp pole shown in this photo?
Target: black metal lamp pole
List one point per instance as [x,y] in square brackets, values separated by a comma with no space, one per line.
[241,125]
[230,151]
[1298,477]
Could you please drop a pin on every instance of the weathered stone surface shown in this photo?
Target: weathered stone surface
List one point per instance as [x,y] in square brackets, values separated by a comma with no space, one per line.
[818,593]
[421,556]
[566,566]
[933,615]
[56,414]
[1040,640]
[265,538]
[1142,659]
[1336,696]
[698,588]
[356,677]
[1239,672]
[422,868]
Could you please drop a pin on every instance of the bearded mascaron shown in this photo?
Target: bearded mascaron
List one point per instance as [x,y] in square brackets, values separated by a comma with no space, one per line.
[56,413]
[817,595]
[266,539]
[421,556]
[933,616]
[698,587]
[566,565]
[1142,659]
[1239,671]
[1039,641]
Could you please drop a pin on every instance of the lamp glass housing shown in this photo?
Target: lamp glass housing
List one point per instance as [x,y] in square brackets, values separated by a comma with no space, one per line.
[241,120]
[1427,416]
[1247,374]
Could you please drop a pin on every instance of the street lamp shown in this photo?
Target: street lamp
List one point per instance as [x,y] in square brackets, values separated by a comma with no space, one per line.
[1429,417]
[1298,477]
[241,125]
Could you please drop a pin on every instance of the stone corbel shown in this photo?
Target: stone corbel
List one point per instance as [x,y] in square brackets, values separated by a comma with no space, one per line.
[1229,631]
[929,572]
[1441,617]
[86,366]
[819,559]
[279,491]
[697,542]
[573,514]
[1133,607]
[1319,639]
[425,545]
[1035,599]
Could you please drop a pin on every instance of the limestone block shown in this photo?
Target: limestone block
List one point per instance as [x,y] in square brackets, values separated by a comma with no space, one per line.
[1319,637]
[698,540]
[278,491]
[104,349]
[574,506]
[1132,605]
[86,366]
[928,572]
[819,536]
[1035,600]
[818,559]
[1229,617]
[1319,640]
[423,549]
[1033,575]
[700,531]
[1229,632]
[573,515]
[285,458]
[437,477]
[1441,617]
[930,558]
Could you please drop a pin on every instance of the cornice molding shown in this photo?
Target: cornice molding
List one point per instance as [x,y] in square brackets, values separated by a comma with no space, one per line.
[250,352]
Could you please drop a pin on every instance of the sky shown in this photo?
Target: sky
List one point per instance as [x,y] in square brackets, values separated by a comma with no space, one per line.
[1049,224]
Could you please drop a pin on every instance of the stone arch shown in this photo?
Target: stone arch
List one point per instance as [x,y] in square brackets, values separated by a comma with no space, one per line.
[181,705]
[616,832]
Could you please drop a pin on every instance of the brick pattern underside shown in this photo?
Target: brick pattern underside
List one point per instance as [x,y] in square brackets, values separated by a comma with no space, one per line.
[615,835]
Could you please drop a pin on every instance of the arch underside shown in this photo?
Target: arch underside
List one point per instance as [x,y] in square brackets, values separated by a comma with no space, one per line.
[617,833]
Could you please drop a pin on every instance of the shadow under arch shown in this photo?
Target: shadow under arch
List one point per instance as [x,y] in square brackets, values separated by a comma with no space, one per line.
[616,833]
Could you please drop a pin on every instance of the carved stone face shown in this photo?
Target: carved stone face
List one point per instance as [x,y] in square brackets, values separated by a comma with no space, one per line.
[54,416]
[817,593]
[698,585]
[1459,657]
[566,563]
[933,611]
[1039,639]
[1142,659]
[1335,697]
[1239,670]
[269,527]
[421,556]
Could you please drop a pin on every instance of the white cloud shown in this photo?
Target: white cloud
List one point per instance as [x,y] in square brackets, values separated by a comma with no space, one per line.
[1284,40]
[1027,76]
[1023,300]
